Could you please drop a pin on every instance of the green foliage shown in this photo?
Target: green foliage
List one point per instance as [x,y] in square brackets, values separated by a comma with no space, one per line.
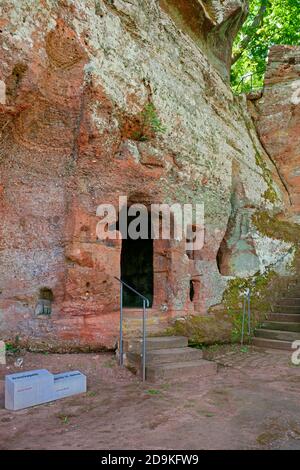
[203,330]
[153,391]
[151,119]
[275,228]
[11,348]
[225,325]
[63,418]
[150,124]
[14,346]
[260,287]
[280,25]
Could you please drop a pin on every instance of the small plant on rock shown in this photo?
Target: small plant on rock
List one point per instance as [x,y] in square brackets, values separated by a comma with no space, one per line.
[150,124]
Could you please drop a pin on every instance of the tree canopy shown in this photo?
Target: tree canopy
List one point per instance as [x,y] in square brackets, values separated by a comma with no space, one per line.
[269,22]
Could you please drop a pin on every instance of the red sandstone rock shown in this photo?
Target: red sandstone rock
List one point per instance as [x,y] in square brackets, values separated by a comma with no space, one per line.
[278,119]
[78,80]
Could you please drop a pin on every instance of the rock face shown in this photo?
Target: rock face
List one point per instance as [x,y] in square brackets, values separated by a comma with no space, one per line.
[237,255]
[211,24]
[278,119]
[101,99]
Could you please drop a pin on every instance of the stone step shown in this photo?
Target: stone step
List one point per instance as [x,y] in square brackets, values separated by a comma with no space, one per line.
[277,334]
[292,291]
[199,368]
[271,343]
[289,301]
[283,326]
[134,345]
[291,294]
[286,308]
[133,327]
[156,321]
[163,356]
[284,317]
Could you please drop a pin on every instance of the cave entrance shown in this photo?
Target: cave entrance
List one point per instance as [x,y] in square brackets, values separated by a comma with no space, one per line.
[137,267]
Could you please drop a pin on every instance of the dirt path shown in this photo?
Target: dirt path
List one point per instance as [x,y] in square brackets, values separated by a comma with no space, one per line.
[253,402]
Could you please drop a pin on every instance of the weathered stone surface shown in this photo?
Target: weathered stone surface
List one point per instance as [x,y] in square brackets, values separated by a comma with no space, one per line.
[212,24]
[237,255]
[2,92]
[79,76]
[278,119]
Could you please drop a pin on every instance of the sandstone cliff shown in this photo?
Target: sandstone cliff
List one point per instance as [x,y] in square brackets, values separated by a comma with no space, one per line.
[278,119]
[76,79]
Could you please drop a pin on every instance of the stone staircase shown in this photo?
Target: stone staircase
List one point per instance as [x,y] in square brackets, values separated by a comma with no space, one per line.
[167,357]
[282,325]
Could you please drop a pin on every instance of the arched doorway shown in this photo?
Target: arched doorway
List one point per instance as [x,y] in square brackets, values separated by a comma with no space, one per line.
[137,266]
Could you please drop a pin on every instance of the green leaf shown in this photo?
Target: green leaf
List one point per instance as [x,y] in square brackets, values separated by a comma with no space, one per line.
[280,26]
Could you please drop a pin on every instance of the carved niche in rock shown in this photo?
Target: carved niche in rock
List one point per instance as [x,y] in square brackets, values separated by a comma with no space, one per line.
[237,255]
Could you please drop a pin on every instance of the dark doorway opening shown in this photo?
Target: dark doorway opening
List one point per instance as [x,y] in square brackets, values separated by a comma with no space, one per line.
[137,268]
[192,291]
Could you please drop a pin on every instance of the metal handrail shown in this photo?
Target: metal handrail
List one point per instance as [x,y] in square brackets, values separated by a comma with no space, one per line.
[246,307]
[146,302]
[239,87]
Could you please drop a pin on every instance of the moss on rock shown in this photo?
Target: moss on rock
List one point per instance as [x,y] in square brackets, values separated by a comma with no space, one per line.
[262,296]
[270,193]
[202,330]
[275,228]
[224,322]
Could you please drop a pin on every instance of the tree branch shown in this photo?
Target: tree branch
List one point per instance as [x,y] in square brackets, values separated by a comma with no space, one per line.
[256,23]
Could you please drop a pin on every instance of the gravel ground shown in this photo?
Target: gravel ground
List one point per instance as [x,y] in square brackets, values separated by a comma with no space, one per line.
[251,403]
